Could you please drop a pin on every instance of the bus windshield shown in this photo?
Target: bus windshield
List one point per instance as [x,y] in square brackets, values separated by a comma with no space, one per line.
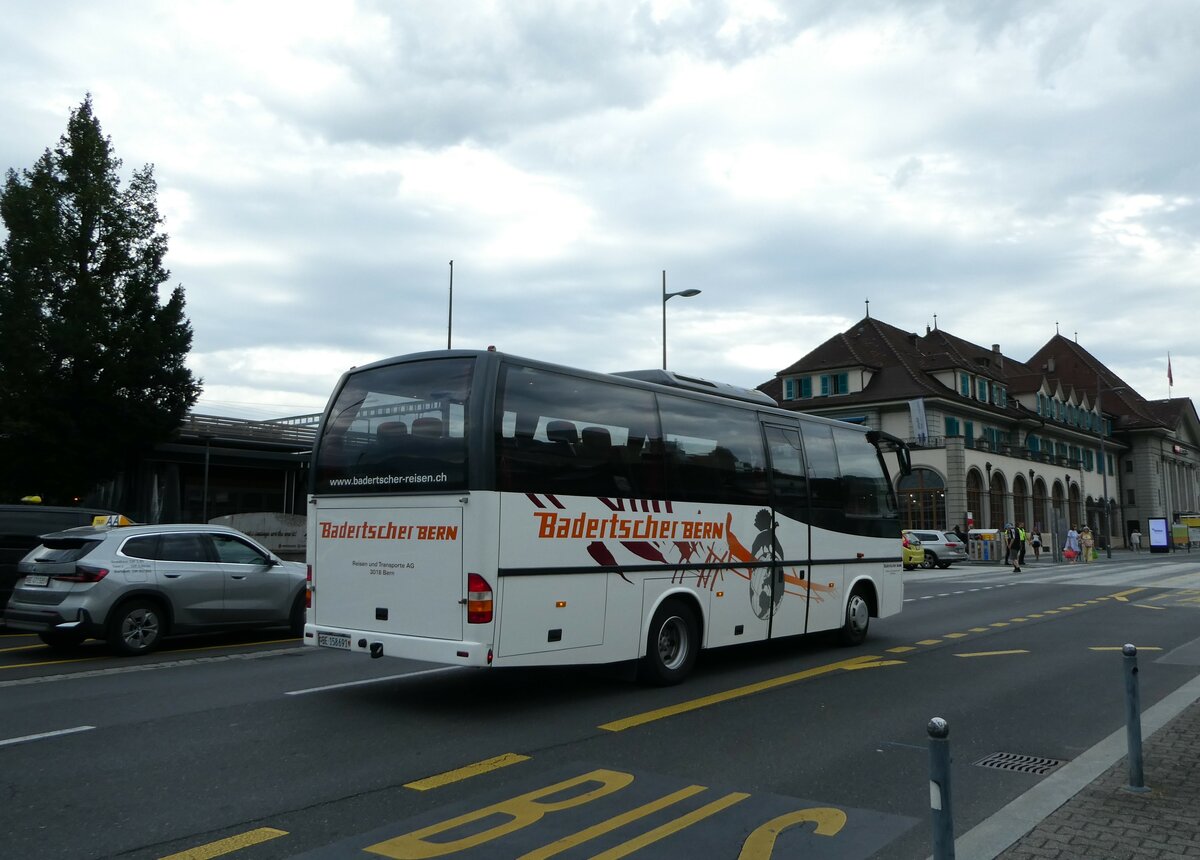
[397,428]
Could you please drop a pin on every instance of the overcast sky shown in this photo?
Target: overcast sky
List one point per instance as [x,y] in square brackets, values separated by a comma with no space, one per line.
[1005,167]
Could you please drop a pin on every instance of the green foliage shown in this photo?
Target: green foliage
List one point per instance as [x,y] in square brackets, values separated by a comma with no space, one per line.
[92,371]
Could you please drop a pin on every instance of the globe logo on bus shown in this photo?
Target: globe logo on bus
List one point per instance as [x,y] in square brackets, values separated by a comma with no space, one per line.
[765,598]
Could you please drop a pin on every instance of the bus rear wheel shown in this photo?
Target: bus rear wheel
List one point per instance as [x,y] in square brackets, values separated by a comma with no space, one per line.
[672,644]
[858,619]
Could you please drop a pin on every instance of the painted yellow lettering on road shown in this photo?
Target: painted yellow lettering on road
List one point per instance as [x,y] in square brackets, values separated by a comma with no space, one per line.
[521,811]
[229,844]
[466,772]
[1123,596]
[760,843]
[674,826]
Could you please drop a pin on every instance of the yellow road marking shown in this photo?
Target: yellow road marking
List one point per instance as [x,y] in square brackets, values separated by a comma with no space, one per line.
[466,772]
[1147,606]
[978,630]
[992,653]
[865,662]
[1035,615]
[1122,647]
[228,845]
[999,624]
[1018,620]
[901,649]
[54,662]
[953,635]
[930,642]
[22,647]
[1123,596]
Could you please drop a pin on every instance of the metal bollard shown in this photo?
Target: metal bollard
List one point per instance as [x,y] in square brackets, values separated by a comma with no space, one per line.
[939,789]
[1133,720]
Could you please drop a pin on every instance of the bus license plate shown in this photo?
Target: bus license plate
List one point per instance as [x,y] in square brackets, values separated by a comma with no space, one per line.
[39,579]
[333,640]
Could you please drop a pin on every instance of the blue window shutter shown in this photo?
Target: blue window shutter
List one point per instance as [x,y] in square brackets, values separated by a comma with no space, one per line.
[806,386]
[964,385]
[843,383]
[824,386]
[789,389]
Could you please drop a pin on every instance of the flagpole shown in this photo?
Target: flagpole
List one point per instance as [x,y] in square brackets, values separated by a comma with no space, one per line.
[1170,376]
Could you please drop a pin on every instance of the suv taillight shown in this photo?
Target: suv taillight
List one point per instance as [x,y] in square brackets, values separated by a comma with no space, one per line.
[83,573]
[479,600]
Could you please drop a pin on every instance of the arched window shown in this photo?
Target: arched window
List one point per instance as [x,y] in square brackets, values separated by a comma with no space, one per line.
[922,496]
[1041,515]
[1020,499]
[975,496]
[996,502]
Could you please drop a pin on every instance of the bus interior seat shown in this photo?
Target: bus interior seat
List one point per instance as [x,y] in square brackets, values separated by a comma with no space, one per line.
[390,432]
[428,427]
[596,441]
[562,432]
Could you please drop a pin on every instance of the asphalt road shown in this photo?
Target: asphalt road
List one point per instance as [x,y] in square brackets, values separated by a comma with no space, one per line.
[258,748]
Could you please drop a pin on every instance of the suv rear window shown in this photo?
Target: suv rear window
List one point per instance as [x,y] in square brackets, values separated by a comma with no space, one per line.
[63,550]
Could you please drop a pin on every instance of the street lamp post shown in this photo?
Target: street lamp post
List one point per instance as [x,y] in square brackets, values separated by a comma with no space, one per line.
[687,294]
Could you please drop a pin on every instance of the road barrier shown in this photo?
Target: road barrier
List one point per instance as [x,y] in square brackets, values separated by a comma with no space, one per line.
[939,789]
[1133,720]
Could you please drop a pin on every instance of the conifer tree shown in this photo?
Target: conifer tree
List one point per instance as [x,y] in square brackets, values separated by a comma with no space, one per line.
[92,371]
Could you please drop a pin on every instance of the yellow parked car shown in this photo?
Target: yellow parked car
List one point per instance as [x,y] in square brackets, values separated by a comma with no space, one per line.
[913,555]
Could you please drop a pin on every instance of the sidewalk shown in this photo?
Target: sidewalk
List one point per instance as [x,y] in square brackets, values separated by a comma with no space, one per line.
[1085,811]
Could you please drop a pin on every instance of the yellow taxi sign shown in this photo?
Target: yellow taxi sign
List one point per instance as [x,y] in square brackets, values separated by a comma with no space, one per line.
[112,520]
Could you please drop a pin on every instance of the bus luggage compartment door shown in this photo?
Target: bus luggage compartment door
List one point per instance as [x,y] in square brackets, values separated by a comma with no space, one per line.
[390,570]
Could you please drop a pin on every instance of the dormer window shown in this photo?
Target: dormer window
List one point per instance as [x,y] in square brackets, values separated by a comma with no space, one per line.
[797,388]
[835,383]
[981,390]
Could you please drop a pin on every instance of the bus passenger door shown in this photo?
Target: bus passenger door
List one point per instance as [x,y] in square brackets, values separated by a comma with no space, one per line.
[789,531]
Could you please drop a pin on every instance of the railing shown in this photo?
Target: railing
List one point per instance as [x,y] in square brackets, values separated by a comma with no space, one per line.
[288,430]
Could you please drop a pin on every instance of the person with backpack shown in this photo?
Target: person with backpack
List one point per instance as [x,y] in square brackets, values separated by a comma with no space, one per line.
[1014,546]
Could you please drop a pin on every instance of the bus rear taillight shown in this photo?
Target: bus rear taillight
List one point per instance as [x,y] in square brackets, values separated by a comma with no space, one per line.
[479,600]
[308,588]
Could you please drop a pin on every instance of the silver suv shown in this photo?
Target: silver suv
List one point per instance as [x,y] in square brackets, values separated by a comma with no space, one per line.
[133,584]
[941,548]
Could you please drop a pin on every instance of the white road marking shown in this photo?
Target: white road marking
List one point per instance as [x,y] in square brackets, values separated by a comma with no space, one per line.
[38,737]
[372,681]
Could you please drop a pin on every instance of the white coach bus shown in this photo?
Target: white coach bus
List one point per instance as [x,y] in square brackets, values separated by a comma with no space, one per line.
[477,509]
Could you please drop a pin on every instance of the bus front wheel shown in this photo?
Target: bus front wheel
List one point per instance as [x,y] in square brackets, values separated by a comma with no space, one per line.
[858,619]
[672,644]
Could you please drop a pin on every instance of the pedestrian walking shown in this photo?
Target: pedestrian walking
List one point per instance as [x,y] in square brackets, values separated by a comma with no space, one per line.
[1087,541]
[1022,534]
[1013,541]
[1135,539]
[1071,548]
[1035,541]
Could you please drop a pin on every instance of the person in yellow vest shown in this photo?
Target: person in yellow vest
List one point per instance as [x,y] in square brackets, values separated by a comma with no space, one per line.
[1021,549]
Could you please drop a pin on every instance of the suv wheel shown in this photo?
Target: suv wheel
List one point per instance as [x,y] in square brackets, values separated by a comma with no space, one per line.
[135,628]
[930,561]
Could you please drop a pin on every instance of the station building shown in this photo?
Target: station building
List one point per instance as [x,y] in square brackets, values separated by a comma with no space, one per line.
[996,439]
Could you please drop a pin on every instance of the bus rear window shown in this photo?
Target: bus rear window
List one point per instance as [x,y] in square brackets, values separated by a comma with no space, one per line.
[398,428]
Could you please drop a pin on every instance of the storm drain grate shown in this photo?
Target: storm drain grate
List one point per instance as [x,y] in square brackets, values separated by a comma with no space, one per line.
[1036,765]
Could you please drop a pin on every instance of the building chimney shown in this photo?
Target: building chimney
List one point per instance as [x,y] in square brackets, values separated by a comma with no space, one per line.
[997,356]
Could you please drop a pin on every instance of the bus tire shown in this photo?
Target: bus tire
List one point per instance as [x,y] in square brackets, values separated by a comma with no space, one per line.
[672,644]
[857,620]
